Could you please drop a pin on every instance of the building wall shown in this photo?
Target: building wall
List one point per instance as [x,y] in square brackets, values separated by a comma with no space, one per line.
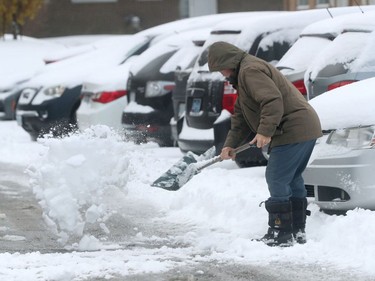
[293,5]
[249,5]
[63,17]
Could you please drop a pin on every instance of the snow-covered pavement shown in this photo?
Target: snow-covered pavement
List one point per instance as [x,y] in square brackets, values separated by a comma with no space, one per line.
[93,195]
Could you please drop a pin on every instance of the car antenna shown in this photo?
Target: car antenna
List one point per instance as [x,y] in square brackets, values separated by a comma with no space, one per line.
[355,1]
[329,12]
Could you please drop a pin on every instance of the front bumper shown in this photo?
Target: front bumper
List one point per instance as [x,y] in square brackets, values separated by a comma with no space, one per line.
[344,181]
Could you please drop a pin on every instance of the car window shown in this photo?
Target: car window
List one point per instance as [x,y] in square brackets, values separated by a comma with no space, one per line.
[203,58]
[366,60]
[151,69]
[274,52]
[182,59]
[338,56]
[275,44]
[299,56]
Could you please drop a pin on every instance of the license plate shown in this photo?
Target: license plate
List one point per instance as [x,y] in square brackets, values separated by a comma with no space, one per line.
[196,105]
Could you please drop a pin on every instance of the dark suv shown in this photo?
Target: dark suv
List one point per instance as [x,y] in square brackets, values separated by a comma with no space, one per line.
[210,99]
[151,84]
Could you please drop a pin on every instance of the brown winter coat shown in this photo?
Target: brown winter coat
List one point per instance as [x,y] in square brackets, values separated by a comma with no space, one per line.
[267,102]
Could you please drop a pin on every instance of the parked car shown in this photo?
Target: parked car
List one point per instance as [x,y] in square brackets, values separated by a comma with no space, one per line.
[20,60]
[210,98]
[110,84]
[340,176]
[181,75]
[349,58]
[49,101]
[103,97]
[312,41]
[150,86]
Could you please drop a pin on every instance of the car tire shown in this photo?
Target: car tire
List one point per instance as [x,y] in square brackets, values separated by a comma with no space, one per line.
[333,212]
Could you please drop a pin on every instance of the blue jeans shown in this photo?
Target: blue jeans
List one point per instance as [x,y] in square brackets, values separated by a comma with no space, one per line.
[284,170]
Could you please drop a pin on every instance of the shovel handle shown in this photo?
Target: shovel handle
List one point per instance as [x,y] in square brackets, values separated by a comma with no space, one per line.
[244,147]
[217,159]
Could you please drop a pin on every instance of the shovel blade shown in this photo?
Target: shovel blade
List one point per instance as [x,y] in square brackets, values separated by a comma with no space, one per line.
[182,171]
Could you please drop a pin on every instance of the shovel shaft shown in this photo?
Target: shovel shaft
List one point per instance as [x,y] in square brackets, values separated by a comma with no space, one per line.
[218,158]
[209,163]
[243,147]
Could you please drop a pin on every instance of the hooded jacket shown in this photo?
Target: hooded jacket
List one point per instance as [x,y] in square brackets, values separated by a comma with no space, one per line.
[267,102]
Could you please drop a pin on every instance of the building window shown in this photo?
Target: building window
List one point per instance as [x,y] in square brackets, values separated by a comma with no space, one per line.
[339,3]
[93,1]
[302,4]
[322,3]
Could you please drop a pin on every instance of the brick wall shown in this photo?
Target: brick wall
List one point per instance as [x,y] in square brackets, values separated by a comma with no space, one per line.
[249,5]
[62,17]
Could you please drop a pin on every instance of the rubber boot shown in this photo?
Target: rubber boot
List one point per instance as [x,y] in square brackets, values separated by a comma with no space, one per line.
[280,231]
[299,206]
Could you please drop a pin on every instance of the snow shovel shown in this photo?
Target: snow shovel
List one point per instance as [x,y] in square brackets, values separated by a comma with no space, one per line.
[190,165]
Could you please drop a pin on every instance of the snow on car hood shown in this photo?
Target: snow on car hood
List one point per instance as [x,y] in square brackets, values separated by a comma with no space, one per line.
[348,106]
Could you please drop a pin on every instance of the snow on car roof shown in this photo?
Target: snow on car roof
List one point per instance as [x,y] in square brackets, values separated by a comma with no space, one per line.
[72,71]
[314,37]
[193,23]
[21,59]
[338,23]
[345,50]
[348,106]
[169,44]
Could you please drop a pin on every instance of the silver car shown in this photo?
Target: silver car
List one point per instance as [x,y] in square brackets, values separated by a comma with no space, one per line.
[344,178]
[349,58]
[314,38]
[340,176]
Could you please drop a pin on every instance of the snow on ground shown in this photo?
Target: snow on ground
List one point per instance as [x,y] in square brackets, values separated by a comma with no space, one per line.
[75,179]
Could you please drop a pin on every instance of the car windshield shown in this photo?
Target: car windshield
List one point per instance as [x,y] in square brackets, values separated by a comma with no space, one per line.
[300,54]
[340,55]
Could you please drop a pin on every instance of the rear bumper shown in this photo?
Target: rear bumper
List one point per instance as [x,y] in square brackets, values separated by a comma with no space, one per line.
[147,133]
[195,140]
[196,146]
[151,126]
[110,114]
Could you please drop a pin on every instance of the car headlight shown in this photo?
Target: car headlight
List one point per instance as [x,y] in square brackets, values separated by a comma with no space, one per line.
[158,88]
[54,91]
[357,137]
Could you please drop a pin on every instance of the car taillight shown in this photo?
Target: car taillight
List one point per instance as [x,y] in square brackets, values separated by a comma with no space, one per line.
[229,97]
[300,85]
[340,84]
[106,97]
[158,88]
